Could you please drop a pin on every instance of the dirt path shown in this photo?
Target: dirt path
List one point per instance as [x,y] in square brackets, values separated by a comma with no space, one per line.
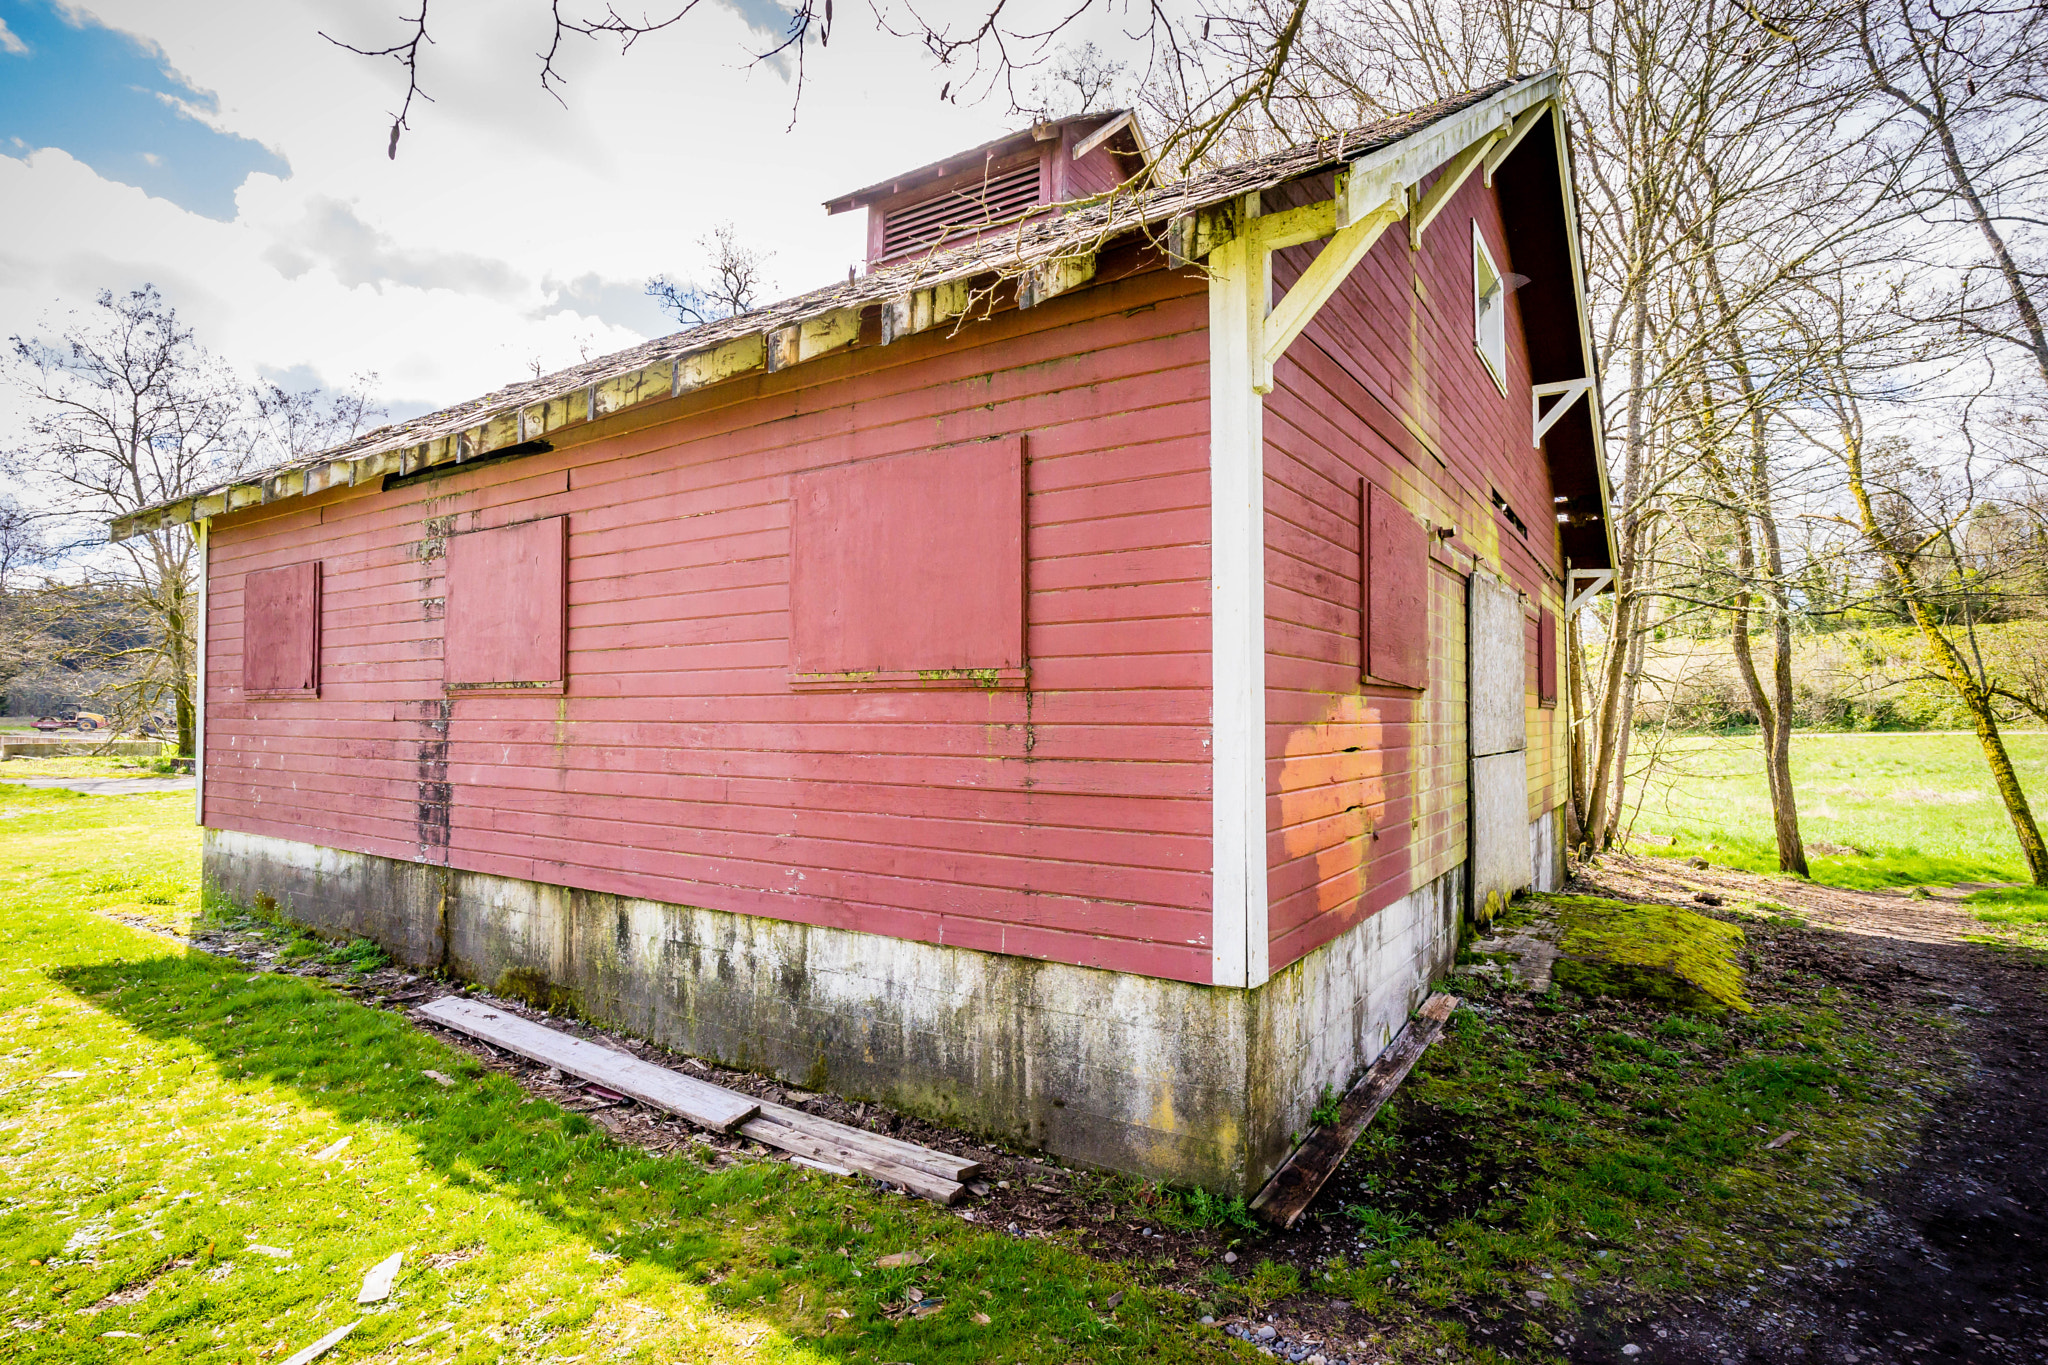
[1950,1260]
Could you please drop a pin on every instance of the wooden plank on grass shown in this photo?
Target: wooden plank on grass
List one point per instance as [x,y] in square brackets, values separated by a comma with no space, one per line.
[942,1164]
[1288,1193]
[702,1103]
[774,1133]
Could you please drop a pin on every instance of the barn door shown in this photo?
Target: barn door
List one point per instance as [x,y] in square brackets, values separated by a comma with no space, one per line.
[1497,724]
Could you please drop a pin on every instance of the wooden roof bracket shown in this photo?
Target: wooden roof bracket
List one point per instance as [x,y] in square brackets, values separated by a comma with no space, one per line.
[1594,579]
[1572,390]
[1332,265]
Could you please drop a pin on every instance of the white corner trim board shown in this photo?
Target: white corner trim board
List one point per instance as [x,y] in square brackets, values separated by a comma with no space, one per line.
[1238,292]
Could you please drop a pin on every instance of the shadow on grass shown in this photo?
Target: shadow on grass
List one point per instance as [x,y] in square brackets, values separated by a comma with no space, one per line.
[485,1135]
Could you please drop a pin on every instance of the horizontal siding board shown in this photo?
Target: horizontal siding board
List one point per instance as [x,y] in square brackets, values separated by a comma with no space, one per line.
[1068,823]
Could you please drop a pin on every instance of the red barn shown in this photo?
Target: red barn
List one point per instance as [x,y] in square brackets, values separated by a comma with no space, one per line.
[1072,681]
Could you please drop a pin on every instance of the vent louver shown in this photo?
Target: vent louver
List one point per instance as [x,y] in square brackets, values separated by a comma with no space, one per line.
[1003,197]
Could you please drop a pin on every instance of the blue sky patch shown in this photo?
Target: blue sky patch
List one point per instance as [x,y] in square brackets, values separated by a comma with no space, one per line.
[112,101]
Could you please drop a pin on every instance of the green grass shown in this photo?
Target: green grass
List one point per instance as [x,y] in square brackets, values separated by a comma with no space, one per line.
[89,765]
[2023,910]
[1876,810]
[160,1196]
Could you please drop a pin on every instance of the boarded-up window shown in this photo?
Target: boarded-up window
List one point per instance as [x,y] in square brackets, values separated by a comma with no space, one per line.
[281,631]
[1546,658]
[507,626]
[1394,602]
[910,569]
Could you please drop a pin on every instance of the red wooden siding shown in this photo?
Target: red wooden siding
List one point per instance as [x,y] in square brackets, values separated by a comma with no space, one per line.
[912,564]
[1070,821]
[1546,658]
[283,630]
[1394,604]
[1366,785]
[505,605]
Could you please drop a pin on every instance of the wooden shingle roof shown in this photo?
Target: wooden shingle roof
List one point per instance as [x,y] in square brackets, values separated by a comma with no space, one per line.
[1042,255]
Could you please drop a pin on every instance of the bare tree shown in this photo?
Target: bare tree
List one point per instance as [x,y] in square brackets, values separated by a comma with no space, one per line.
[738,275]
[287,423]
[125,409]
[1854,350]
[996,47]
[1968,80]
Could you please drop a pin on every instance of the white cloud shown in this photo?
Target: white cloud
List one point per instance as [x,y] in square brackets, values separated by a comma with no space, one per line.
[508,229]
[10,41]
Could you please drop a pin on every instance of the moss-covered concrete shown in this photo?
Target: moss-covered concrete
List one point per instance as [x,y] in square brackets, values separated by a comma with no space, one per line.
[1647,952]
[1194,1084]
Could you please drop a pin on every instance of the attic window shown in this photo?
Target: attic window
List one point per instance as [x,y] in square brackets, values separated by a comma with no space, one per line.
[1489,311]
[999,198]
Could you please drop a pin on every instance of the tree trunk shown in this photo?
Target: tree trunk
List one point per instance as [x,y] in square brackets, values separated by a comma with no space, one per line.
[1575,749]
[1976,698]
[1631,674]
[1610,714]
[1774,714]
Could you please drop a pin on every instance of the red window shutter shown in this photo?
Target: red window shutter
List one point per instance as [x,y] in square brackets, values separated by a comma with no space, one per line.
[1394,605]
[281,631]
[1546,658]
[908,563]
[507,612]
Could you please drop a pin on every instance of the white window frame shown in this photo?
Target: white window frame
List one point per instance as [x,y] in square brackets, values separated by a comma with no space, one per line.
[1489,325]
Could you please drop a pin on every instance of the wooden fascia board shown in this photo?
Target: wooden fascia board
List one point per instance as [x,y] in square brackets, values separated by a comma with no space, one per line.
[1382,174]
[1594,418]
[1104,134]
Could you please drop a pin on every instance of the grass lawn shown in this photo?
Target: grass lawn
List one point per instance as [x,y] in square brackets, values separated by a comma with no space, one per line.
[173,1184]
[1877,810]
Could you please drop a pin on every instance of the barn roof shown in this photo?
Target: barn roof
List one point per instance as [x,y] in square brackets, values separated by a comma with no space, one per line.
[911,295]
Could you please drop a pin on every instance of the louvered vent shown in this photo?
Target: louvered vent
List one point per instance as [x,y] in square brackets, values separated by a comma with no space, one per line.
[959,214]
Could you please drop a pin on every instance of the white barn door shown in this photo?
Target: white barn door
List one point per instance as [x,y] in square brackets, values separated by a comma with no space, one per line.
[1499,810]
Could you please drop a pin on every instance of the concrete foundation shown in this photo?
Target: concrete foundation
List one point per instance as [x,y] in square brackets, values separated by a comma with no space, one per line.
[1194,1084]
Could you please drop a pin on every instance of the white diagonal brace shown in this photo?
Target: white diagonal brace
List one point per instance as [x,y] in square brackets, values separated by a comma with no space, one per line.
[1506,146]
[1594,579]
[1455,174]
[1539,420]
[1325,273]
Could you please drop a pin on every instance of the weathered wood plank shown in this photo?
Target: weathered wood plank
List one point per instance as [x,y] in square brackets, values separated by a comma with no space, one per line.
[704,1104]
[823,1147]
[938,1163]
[1288,1193]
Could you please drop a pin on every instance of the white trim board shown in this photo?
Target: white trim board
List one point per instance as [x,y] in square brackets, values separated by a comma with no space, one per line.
[1239,275]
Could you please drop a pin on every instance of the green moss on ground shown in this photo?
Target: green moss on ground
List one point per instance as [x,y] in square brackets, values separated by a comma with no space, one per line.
[1658,953]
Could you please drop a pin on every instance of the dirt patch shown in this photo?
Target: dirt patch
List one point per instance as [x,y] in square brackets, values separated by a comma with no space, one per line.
[1947,1258]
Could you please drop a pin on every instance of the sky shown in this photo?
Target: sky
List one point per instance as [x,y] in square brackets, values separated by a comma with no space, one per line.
[228,154]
